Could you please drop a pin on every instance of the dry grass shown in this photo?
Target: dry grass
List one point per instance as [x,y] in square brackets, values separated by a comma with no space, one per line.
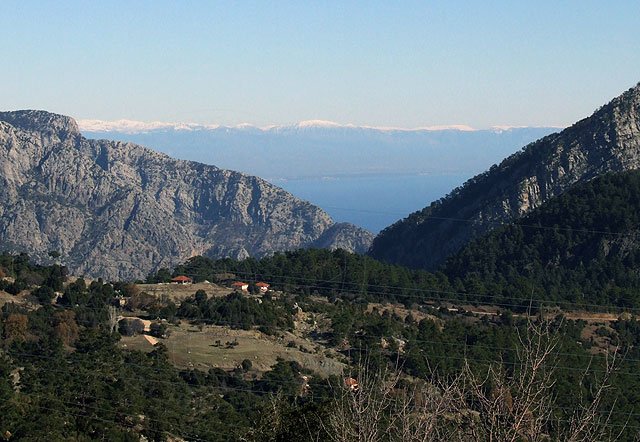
[400,310]
[190,347]
[24,299]
[178,292]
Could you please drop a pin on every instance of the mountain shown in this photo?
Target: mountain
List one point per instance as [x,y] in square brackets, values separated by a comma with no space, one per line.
[368,176]
[607,141]
[120,210]
[581,246]
[313,149]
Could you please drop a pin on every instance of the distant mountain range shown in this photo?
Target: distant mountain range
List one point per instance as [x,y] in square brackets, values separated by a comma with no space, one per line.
[607,141]
[364,175]
[119,210]
[322,148]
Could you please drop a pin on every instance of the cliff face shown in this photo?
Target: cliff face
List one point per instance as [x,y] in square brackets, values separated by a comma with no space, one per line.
[608,141]
[119,210]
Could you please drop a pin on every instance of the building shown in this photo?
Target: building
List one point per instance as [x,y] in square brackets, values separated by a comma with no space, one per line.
[351,384]
[181,280]
[262,286]
[240,286]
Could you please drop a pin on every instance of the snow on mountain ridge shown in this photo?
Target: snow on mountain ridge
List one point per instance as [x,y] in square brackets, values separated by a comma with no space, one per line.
[133,126]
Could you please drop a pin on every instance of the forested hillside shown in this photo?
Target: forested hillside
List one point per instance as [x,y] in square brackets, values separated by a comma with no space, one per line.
[581,247]
[66,372]
[607,141]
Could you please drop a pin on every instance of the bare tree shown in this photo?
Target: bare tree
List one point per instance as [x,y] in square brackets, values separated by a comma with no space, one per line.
[362,411]
[517,405]
[587,422]
[494,404]
[113,318]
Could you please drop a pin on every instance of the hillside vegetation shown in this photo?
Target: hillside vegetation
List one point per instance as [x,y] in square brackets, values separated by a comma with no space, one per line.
[581,247]
[67,372]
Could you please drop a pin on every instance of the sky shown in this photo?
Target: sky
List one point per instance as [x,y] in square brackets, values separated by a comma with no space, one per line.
[401,64]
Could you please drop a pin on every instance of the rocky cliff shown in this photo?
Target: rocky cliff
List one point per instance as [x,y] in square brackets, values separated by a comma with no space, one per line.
[607,141]
[119,210]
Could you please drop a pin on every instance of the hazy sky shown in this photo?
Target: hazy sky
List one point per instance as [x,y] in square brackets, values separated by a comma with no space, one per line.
[404,63]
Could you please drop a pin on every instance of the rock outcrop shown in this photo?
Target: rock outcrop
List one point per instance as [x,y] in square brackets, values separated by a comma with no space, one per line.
[608,141]
[120,210]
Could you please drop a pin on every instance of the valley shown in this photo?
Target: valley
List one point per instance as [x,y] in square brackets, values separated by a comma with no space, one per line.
[204,303]
[319,221]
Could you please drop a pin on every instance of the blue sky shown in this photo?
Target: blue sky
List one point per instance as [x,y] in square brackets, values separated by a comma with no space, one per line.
[406,63]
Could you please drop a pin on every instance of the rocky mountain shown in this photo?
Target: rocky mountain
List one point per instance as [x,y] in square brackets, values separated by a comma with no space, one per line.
[120,210]
[355,173]
[607,141]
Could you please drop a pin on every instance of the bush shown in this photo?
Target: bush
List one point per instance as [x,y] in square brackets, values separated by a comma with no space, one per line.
[140,300]
[44,294]
[159,330]
[130,326]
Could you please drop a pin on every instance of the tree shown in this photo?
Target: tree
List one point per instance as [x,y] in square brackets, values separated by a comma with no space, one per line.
[57,276]
[159,330]
[492,404]
[15,327]
[246,365]
[161,276]
[44,294]
[66,327]
[130,326]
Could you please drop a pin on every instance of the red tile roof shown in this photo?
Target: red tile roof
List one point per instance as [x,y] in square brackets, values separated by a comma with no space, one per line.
[181,278]
[351,383]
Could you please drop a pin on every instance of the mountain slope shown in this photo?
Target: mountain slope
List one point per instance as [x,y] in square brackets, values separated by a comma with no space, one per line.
[362,169]
[607,141]
[582,246]
[119,210]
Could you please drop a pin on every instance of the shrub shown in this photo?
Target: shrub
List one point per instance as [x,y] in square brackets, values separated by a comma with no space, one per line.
[44,294]
[159,330]
[246,365]
[130,326]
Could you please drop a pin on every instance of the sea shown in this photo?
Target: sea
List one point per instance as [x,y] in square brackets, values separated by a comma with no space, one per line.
[373,201]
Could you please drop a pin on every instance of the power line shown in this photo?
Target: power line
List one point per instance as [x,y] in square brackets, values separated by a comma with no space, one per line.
[303,283]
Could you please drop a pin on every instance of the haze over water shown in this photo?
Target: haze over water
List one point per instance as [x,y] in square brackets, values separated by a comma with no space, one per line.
[375,201]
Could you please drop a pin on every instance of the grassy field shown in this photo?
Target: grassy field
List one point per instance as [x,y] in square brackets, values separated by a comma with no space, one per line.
[192,347]
[196,347]
[178,292]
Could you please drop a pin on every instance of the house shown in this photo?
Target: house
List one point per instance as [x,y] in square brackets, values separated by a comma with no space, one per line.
[181,280]
[351,384]
[240,286]
[262,286]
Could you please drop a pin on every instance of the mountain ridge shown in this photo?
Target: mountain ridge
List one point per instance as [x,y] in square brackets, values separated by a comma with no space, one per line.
[607,141]
[127,209]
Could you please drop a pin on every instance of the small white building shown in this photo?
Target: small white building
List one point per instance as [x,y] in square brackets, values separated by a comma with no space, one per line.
[240,286]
